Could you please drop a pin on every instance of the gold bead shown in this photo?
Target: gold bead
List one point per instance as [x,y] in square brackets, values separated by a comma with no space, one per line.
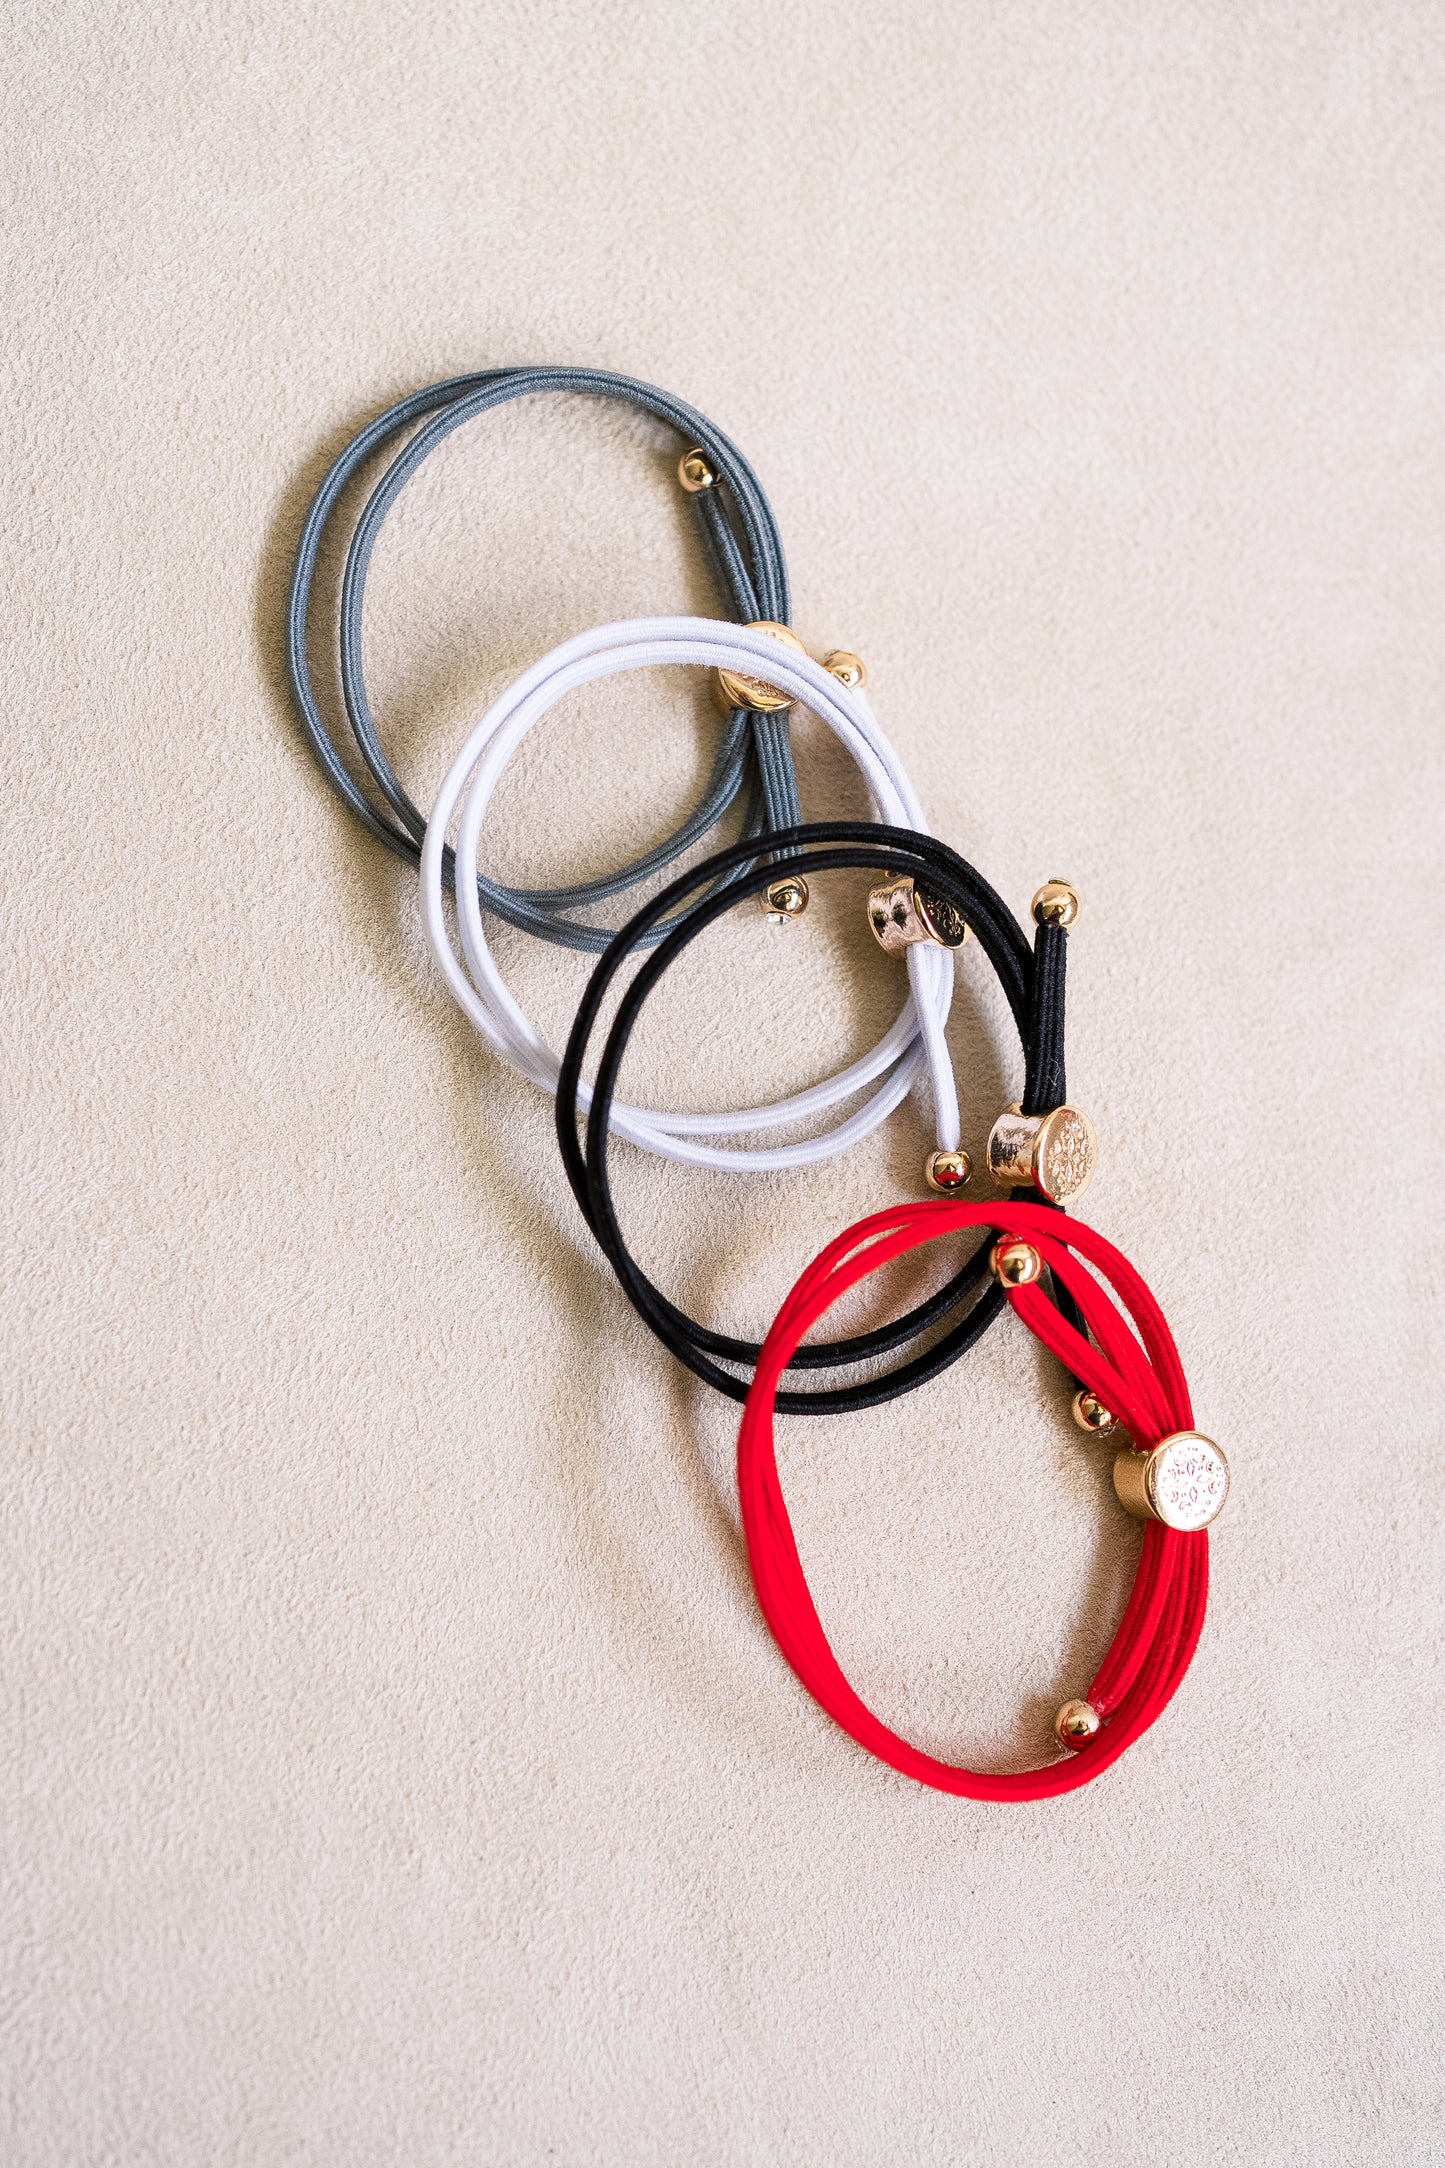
[1056,904]
[947,1170]
[694,473]
[1183,1482]
[847,669]
[1076,1724]
[784,899]
[741,690]
[901,913]
[1017,1264]
[1056,1154]
[1091,1414]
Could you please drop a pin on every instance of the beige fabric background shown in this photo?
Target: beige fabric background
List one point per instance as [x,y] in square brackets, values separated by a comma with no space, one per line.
[395,1768]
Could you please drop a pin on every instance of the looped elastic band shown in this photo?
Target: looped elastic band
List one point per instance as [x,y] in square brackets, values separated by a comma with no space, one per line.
[740,538]
[1131,1363]
[804,852]
[915,1040]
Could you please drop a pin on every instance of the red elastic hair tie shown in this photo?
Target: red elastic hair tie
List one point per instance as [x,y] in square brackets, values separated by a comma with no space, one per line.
[1129,1363]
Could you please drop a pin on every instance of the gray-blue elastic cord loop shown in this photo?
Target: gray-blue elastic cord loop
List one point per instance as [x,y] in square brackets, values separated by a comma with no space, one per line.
[756,750]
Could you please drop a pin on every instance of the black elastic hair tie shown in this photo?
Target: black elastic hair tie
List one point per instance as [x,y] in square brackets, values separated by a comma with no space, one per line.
[1033,983]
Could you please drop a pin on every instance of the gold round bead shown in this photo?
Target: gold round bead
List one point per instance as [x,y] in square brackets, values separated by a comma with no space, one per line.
[848,669]
[694,473]
[740,689]
[947,1170]
[1076,1724]
[1056,904]
[1017,1264]
[784,899]
[1090,1413]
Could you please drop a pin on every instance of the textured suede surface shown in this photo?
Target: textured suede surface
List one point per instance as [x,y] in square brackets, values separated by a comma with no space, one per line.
[395,1767]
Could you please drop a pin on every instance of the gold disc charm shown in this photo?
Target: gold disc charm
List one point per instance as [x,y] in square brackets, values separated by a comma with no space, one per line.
[1056,1153]
[741,690]
[1183,1482]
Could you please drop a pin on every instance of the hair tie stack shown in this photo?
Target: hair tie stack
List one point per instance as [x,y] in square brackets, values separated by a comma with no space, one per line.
[1070,1287]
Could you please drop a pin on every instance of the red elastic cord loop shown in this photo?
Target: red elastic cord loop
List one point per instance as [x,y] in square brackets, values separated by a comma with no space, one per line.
[1131,1363]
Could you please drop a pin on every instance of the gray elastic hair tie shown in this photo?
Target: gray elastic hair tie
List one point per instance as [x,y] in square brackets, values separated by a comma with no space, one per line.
[742,542]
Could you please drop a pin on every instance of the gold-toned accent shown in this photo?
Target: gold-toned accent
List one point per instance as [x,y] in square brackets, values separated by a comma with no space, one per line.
[947,1170]
[1056,904]
[694,473]
[1017,1264]
[1090,1414]
[847,668]
[1076,1724]
[901,913]
[784,899]
[741,690]
[1057,1154]
[1183,1482]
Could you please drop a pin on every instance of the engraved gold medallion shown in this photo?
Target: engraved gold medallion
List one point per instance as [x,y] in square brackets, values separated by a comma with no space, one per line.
[741,690]
[1056,1153]
[1183,1482]
[902,914]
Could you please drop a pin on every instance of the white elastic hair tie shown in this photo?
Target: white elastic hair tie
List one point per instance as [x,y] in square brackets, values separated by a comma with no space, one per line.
[914,1041]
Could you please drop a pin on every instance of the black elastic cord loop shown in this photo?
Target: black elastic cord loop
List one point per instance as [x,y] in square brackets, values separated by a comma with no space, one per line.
[1044,1086]
[805,851]
[749,563]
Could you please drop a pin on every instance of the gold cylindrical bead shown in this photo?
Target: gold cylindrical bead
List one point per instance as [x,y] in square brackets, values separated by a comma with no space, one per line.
[1056,1154]
[901,914]
[1183,1482]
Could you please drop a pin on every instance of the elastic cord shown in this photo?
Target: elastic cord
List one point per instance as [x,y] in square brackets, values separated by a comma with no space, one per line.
[916,1039]
[747,560]
[1131,1363]
[808,851]
[1046,1087]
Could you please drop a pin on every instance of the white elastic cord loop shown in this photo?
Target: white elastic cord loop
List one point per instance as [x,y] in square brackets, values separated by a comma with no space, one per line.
[915,1041]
